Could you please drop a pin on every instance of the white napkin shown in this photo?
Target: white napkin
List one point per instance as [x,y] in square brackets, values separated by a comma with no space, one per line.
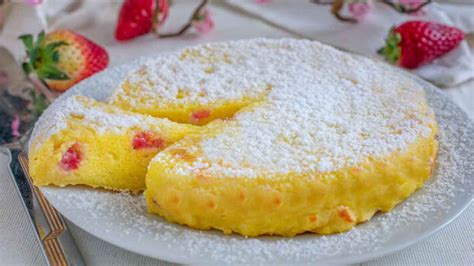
[316,22]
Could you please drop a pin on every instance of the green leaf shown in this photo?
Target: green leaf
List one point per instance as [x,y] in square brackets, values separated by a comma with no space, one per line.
[198,17]
[27,40]
[397,37]
[40,39]
[43,58]
[50,54]
[34,56]
[391,51]
[27,68]
[52,46]
[39,103]
[55,56]
[51,72]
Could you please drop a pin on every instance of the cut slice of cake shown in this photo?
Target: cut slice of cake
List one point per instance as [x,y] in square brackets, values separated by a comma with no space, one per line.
[86,142]
[196,85]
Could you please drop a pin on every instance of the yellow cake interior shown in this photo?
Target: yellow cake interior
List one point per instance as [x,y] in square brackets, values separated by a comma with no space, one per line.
[107,158]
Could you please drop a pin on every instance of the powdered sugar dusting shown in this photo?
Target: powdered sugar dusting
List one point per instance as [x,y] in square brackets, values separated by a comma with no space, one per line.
[198,75]
[99,88]
[122,219]
[325,109]
[101,117]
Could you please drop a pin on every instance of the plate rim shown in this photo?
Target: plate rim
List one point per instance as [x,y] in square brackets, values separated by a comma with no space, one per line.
[384,251]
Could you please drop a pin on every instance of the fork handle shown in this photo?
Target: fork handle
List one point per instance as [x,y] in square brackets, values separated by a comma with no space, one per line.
[57,243]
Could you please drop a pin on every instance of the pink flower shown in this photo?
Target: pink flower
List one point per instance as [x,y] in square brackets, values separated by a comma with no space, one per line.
[163,8]
[4,79]
[15,126]
[412,4]
[32,2]
[262,1]
[359,9]
[203,22]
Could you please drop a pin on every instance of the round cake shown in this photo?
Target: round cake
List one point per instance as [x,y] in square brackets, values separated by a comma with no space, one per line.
[324,141]
[294,137]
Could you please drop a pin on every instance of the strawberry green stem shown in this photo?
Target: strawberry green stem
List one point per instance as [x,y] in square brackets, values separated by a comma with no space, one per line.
[391,51]
[42,58]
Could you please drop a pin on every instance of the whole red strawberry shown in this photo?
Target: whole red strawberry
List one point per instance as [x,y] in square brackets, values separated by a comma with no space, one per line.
[415,43]
[62,58]
[138,17]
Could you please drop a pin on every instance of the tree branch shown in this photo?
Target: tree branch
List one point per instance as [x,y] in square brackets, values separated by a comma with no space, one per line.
[403,9]
[337,6]
[186,27]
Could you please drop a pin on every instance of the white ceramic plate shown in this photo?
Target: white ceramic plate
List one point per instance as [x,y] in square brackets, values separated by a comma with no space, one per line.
[122,219]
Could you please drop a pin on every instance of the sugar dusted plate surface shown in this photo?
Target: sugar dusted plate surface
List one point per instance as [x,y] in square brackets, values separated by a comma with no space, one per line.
[121,219]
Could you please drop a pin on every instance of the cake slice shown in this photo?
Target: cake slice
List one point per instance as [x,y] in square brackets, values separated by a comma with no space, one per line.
[198,84]
[85,142]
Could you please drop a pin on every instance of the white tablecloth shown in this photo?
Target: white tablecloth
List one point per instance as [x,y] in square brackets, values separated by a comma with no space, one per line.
[452,245]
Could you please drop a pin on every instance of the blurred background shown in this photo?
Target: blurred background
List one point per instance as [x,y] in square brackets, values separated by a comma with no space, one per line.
[133,28]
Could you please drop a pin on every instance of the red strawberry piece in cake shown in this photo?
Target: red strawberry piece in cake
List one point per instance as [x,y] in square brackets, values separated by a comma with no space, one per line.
[71,158]
[147,139]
